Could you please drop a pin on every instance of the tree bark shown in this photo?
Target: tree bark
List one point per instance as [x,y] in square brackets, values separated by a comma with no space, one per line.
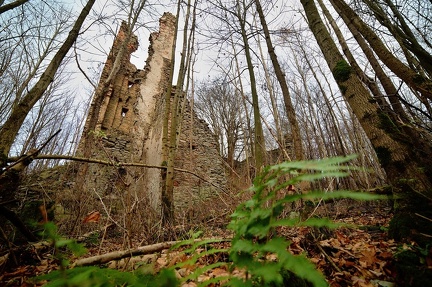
[401,32]
[175,114]
[408,167]
[413,79]
[388,86]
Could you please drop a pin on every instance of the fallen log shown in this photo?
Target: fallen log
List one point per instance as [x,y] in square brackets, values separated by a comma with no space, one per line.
[143,250]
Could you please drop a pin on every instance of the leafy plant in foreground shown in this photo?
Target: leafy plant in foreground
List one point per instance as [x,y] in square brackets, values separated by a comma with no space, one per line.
[255,220]
[92,276]
[263,257]
[61,245]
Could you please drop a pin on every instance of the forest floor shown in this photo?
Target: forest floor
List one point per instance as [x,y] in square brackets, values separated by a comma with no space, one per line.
[359,256]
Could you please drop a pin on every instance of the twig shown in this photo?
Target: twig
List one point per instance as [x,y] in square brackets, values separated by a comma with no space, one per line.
[426,235]
[107,212]
[424,217]
[329,259]
[81,69]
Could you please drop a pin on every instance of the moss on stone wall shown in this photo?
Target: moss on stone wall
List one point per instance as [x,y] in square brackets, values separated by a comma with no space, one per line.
[342,71]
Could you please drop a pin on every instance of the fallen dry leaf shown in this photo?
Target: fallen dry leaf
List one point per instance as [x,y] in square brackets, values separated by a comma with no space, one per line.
[219,272]
[189,284]
[93,216]
[161,261]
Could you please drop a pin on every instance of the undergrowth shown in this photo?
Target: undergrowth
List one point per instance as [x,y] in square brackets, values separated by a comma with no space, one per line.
[256,250]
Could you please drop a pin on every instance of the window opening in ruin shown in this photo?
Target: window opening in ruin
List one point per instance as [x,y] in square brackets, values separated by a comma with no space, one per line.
[124,111]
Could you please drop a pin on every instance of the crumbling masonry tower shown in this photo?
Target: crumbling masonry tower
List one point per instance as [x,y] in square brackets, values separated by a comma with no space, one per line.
[124,124]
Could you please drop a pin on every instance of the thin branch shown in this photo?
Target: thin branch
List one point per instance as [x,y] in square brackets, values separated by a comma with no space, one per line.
[30,155]
[424,217]
[81,69]
[12,5]
[329,259]
[111,163]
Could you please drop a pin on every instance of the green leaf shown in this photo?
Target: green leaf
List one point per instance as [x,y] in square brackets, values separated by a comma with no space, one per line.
[270,273]
[196,256]
[343,194]
[244,245]
[77,249]
[275,245]
[321,165]
[321,222]
[323,174]
[202,270]
[303,268]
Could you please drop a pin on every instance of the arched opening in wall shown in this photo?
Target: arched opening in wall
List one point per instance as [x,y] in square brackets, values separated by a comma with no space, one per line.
[124,111]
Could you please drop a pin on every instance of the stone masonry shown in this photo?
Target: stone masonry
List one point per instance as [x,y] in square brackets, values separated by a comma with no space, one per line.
[124,124]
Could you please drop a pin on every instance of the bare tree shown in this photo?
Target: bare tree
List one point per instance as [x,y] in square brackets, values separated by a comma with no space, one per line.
[173,113]
[11,126]
[411,77]
[232,28]
[220,105]
[280,75]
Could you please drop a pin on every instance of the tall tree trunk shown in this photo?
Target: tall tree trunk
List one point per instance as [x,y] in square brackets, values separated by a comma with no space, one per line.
[335,124]
[248,136]
[312,114]
[280,75]
[413,79]
[260,150]
[273,101]
[400,159]
[389,88]
[402,32]
[173,117]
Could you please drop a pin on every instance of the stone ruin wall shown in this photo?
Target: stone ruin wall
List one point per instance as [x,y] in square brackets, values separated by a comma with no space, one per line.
[198,152]
[125,125]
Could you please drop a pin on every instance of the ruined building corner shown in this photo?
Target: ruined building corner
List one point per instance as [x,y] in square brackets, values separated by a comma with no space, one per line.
[124,124]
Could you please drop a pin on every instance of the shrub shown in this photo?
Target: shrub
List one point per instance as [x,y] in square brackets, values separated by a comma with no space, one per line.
[255,249]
